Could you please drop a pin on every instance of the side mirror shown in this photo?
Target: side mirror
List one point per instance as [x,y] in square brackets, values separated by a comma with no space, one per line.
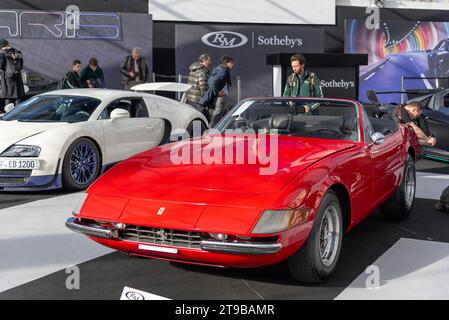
[377,137]
[9,107]
[118,113]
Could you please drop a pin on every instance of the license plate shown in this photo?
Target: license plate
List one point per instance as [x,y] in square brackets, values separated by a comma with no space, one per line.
[19,164]
[158,249]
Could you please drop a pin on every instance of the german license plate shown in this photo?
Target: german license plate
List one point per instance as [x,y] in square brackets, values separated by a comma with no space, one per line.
[19,164]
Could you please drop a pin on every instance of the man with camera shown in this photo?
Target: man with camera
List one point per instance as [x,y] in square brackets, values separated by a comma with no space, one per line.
[11,64]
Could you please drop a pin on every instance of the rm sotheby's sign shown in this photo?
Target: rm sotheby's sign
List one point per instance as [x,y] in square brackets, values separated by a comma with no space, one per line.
[248,45]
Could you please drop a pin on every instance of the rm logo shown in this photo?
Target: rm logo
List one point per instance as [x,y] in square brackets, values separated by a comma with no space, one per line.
[224,39]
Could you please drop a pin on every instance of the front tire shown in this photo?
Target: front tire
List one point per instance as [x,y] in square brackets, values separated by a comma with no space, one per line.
[400,204]
[81,165]
[316,260]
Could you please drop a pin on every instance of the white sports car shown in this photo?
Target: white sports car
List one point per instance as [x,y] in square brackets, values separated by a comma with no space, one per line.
[67,138]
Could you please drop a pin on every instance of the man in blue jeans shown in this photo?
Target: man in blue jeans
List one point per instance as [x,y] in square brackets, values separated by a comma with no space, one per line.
[219,83]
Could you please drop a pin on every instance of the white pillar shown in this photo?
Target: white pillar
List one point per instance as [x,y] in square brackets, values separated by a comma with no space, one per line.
[277,80]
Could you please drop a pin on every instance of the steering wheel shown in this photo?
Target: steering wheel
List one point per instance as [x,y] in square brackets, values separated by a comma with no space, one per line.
[242,124]
[84,113]
[328,129]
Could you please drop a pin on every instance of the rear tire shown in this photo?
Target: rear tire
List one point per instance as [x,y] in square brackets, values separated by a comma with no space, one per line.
[81,165]
[400,204]
[316,259]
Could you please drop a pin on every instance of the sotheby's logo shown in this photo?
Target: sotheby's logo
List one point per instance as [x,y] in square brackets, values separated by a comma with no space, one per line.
[338,84]
[224,39]
[281,41]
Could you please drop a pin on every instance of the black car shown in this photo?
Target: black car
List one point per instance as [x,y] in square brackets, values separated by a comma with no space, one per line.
[436,109]
[37,83]
[438,59]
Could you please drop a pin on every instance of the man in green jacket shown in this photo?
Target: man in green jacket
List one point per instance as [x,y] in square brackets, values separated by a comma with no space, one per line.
[302,82]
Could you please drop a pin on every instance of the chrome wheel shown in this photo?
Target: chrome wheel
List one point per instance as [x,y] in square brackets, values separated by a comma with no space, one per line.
[329,235]
[83,164]
[410,186]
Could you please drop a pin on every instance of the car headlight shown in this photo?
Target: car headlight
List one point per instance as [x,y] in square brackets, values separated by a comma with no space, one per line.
[119,225]
[219,236]
[80,204]
[22,151]
[273,221]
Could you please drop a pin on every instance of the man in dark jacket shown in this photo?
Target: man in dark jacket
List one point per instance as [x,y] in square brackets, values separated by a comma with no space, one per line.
[219,83]
[72,78]
[134,69]
[11,82]
[92,76]
[199,74]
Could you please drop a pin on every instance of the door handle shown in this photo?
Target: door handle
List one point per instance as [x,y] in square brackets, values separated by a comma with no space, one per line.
[149,127]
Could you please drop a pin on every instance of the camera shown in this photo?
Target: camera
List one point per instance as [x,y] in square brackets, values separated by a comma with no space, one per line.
[379,3]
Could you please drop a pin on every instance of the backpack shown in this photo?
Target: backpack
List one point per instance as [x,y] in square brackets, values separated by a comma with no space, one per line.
[291,80]
[312,85]
[12,69]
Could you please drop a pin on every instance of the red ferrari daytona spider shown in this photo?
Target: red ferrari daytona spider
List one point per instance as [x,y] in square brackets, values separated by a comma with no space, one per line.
[279,179]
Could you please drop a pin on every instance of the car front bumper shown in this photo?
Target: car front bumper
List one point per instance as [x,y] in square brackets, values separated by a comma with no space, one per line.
[241,248]
[45,178]
[210,252]
[91,229]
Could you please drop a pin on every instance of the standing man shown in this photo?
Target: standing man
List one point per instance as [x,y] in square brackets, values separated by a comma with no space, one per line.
[198,77]
[134,69]
[302,82]
[92,75]
[72,78]
[11,82]
[219,84]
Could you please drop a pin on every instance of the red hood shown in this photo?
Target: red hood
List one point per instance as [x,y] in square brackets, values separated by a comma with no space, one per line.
[216,197]
[143,173]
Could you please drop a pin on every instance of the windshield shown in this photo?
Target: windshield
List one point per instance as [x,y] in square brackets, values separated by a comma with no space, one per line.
[326,119]
[34,77]
[49,108]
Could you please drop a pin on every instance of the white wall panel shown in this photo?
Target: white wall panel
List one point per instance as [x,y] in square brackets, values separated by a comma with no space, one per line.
[245,11]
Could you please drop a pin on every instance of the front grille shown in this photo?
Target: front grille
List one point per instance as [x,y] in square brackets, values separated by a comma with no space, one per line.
[168,237]
[14,177]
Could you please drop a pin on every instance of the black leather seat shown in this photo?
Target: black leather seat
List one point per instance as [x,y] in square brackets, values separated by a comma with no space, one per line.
[281,122]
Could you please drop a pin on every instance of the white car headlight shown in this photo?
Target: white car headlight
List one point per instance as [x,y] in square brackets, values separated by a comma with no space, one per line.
[219,236]
[80,203]
[22,151]
[273,221]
